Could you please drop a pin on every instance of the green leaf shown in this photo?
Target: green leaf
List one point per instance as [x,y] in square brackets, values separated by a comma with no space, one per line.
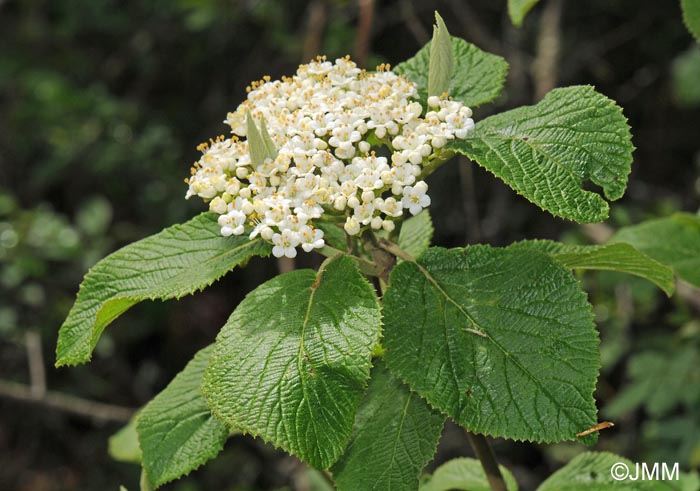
[175,262]
[270,148]
[292,362]
[477,77]
[394,437]
[592,471]
[441,59]
[505,340]
[260,144]
[123,446]
[416,234]
[176,429]
[518,9]
[545,152]
[333,234]
[691,16]
[673,240]
[464,474]
[622,258]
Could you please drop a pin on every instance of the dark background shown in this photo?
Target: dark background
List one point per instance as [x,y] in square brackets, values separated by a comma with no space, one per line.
[102,103]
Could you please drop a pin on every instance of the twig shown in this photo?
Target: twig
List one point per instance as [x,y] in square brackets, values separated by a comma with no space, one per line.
[545,68]
[513,41]
[316,24]
[597,232]
[285,264]
[473,27]
[408,14]
[364,30]
[688,292]
[97,411]
[485,454]
[35,359]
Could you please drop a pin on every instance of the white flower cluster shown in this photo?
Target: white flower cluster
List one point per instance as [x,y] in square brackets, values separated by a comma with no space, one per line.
[326,123]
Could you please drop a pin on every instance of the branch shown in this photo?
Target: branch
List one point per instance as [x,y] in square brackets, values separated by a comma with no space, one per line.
[35,359]
[413,23]
[285,264]
[473,26]
[316,23]
[364,31]
[545,68]
[86,408]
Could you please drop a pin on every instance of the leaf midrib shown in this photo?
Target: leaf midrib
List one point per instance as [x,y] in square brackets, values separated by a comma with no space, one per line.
[184,270]
[506,354]
[302,350]
[396,440]
[534,146]
[139,294]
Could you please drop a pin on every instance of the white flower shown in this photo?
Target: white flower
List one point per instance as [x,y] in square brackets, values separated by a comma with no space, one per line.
[285,244]
[311,238]
[344,133]
[321,121]
[308,210]
[390,207]
[433,101]
[218,205]
[232,223]
[352,226]
[364,212]
[415,199]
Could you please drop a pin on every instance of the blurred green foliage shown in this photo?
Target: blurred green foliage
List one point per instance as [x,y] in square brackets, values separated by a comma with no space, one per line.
[650,382]
[686,73]
[38,245]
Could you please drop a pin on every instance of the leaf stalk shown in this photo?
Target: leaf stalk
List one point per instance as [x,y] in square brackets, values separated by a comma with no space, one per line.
[485,454]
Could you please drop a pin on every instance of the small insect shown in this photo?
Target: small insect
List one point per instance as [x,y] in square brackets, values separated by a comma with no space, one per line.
[594,428]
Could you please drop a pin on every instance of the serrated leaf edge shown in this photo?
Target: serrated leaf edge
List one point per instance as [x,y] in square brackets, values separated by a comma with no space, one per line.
[493,435]
[74,360]
[605,206]
[282,445]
